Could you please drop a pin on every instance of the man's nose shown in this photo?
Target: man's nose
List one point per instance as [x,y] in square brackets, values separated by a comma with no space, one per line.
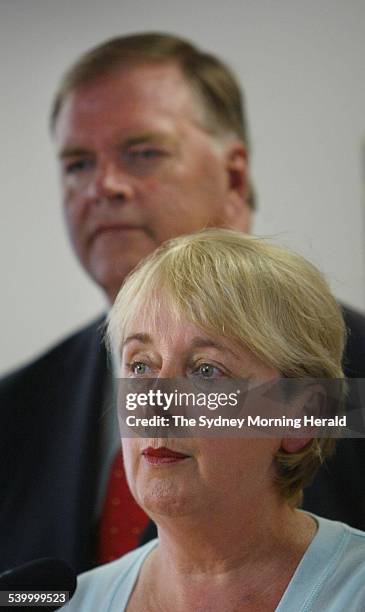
[111,183]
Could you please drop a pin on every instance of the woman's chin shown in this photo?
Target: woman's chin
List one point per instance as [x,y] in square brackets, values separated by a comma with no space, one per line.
[165,498]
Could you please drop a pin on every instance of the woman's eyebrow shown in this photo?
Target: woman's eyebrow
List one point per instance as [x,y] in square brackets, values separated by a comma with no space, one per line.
[144,338]
[200,342]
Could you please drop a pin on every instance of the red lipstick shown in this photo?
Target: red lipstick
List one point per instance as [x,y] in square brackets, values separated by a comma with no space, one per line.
[162,455]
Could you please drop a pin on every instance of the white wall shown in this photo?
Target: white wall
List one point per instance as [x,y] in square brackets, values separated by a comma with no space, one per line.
[302,66]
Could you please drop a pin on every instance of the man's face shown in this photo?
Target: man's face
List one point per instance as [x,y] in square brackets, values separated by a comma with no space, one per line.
[137,168]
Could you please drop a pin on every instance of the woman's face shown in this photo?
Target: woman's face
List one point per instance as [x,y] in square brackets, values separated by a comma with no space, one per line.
[211,475]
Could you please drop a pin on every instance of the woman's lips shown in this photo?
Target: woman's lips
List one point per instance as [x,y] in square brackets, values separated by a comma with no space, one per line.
[162,455]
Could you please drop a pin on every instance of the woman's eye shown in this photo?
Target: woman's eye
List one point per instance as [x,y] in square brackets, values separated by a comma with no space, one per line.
[139,368]
[207,370]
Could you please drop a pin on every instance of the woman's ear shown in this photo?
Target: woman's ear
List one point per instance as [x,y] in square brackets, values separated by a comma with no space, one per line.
[294,445]
[310,402]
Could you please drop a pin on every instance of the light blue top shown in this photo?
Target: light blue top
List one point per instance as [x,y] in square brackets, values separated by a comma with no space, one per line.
[329,578]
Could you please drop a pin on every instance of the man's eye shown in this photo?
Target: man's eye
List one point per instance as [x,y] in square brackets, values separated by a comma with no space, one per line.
[148,154]
[208,370]
[78,165]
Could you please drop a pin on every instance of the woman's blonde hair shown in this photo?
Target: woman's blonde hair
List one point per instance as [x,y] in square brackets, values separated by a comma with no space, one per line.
[257,294]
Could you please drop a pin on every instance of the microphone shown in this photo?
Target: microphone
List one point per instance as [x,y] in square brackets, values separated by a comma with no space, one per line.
[46,574]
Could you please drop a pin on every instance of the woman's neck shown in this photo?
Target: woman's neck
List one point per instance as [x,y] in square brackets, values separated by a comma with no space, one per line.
[222,564]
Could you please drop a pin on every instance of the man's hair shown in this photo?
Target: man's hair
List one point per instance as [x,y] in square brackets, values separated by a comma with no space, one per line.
[209,78]
[257,295]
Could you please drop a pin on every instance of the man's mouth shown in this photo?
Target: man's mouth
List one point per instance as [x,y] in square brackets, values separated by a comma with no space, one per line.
[110,228]
[162,455]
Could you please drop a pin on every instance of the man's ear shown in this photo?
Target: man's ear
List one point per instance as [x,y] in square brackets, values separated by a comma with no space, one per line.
[310,401]
[237,209]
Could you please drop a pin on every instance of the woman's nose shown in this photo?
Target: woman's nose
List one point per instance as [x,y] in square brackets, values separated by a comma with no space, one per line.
[171,369]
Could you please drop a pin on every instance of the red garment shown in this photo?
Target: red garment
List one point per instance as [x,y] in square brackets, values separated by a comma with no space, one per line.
[122,520]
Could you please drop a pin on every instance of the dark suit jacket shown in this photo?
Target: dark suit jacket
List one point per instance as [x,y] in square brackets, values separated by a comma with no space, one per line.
[48,444]
[50,413]
[338,490]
